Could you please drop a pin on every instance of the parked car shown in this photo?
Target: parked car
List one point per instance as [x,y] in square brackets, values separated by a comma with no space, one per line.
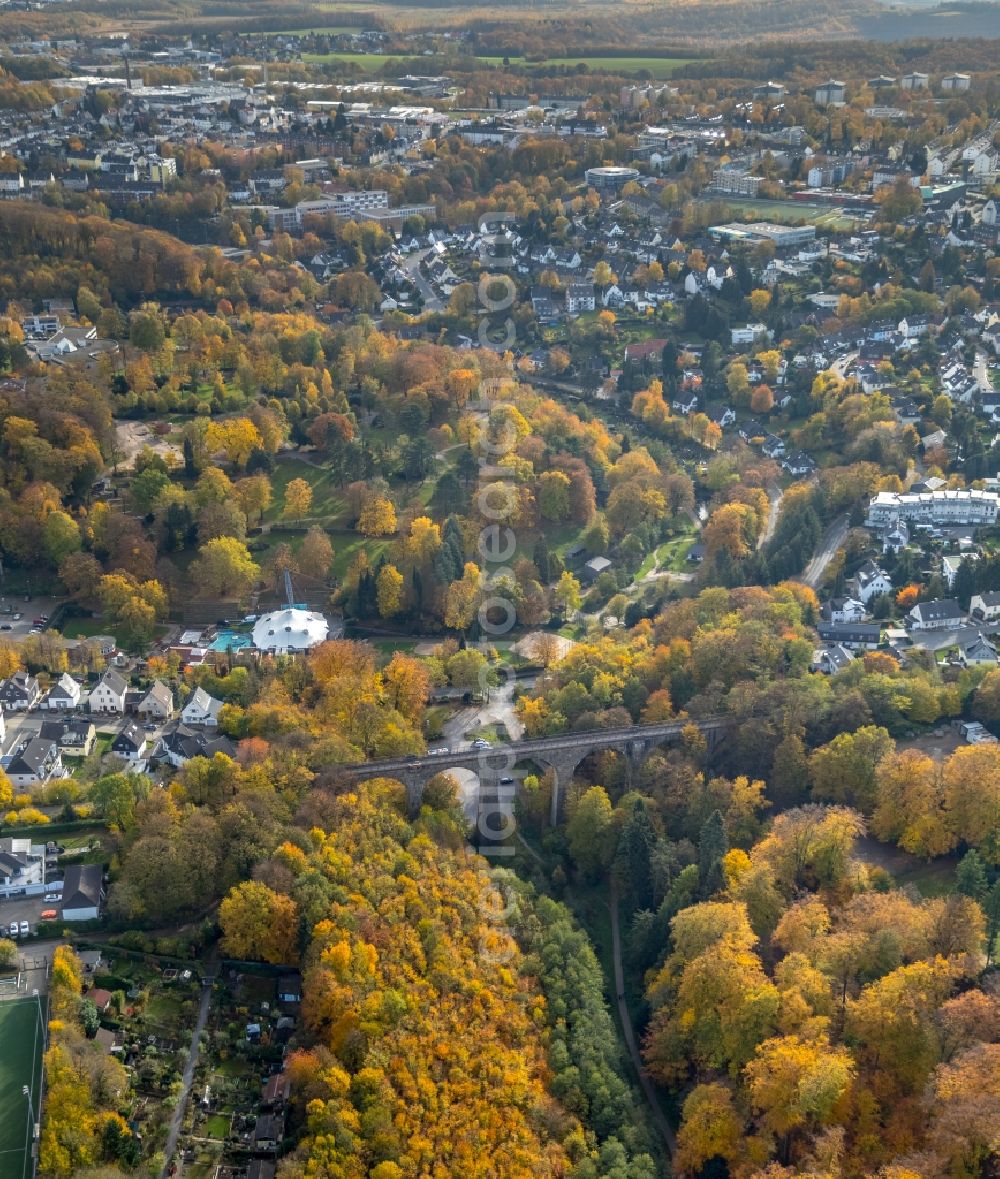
[6,626]
[17,616]
[24,929]
[50,914]
[53,897]
[13,929]
[39,621]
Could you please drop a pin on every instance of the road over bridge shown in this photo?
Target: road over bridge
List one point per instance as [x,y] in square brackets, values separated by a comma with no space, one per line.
[560,754]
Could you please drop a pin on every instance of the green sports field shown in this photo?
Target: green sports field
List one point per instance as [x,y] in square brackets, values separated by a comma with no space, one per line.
[20,1065]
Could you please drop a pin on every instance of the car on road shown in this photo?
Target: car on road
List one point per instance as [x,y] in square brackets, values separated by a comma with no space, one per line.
[481,743]
[53,897]
[442,749]
[17,616]
[49,914]
[24,929]
[6,626]
[39,621]
[506,781]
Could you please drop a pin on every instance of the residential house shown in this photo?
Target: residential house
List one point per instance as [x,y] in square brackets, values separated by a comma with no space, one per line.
[268,1132]
[985,607]
[83,892]
[544,305]
[799,464]
[101,999]
[748,334]
[276,1092]
[855,636]
[721,415]
[977,652]
[109,693]
[580,297]
[130,743]
[830,660]
[870,581]
[183,743]
[201,709]
[64,694]
[75,738]
[22,868]
[843,610]
[34,762]
[949,568]
[20,693]
[593,568]
[896,537]
[158,703]
[936,615]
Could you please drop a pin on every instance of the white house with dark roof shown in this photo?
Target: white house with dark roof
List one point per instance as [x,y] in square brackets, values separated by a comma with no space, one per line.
[201,709]
[130,743]
[34,762]
[936,615]
[83,892]
[979,652]
[64,694]
[985,606]
[109,693]
[870,581]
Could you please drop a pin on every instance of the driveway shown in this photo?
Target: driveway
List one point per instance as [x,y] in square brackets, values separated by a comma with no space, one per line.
[411,265]
[936,640]
[981,371]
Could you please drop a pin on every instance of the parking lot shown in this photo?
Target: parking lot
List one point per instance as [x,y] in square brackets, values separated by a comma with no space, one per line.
[23,909]
[17,628]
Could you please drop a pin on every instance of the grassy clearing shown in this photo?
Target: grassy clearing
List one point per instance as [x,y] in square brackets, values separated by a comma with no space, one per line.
[327,499]
[20,1065]
[368,62]
[84,628]
[217,1126]
[347,545]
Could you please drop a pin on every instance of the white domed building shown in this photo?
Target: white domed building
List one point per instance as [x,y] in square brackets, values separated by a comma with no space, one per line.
[289,631]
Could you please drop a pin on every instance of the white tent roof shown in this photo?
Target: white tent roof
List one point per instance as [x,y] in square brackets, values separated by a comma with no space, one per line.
[289,630]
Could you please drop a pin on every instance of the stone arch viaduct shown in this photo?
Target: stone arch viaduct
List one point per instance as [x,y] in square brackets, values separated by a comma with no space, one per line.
[561,754]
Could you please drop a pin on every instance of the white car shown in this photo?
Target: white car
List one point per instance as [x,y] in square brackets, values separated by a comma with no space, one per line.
[24,929]
[53,896]
[13,929]
[481,743]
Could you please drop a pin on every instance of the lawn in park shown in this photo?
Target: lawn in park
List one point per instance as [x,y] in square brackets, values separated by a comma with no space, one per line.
[20,1064]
